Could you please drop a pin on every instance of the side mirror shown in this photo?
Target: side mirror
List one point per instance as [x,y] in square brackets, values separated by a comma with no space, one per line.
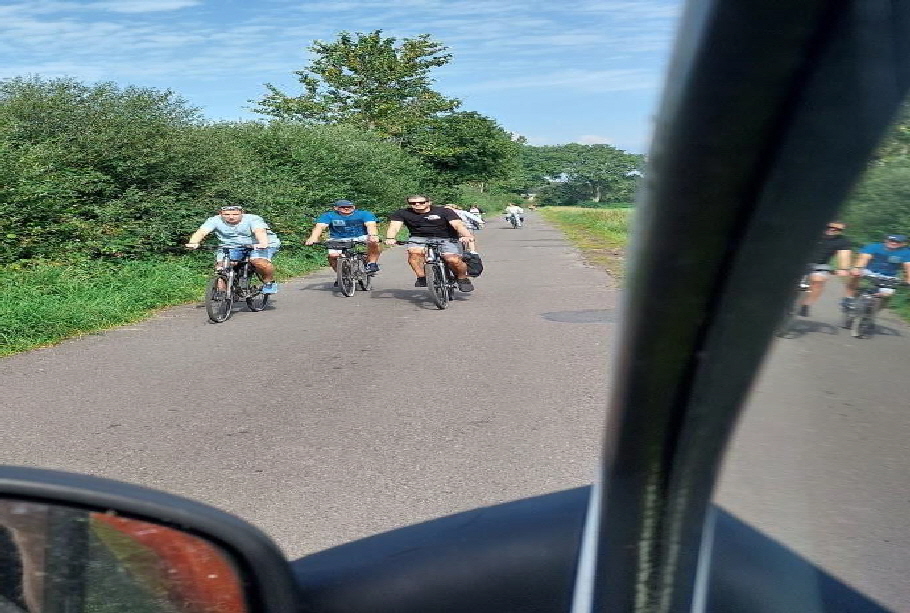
[75,543]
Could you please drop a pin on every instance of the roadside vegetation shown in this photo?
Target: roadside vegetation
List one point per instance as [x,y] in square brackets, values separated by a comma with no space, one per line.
[101,184]
[600,233]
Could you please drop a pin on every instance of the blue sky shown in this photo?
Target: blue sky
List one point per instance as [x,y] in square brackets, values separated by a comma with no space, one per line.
[575,71]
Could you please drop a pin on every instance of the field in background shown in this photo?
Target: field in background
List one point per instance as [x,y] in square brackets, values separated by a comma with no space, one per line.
[601,233]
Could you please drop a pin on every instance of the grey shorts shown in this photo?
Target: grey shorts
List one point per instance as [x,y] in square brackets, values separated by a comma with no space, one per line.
[449,247]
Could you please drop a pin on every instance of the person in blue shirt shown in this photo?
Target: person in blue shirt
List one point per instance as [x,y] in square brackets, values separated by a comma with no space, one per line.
[235,228]
[888,259]
[345,222]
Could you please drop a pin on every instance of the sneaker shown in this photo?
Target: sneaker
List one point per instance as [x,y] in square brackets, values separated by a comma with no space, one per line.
[847,303]
[270,288]
[804,310]
[372,268]
[465,285]
[335,284]
[420,282]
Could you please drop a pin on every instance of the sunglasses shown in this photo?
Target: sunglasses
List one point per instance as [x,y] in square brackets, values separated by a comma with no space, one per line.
[344,207]
[417,202]
[231,208]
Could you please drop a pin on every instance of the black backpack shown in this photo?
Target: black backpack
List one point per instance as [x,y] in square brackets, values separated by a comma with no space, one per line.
[475,264]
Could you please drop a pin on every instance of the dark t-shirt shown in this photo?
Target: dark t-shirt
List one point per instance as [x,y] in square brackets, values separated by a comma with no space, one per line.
[432,224]
[827,247]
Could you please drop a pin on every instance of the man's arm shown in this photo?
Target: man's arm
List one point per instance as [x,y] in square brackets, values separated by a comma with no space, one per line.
[197,237]
[318,229]
[862,259]
[463,232]
[392,231]
[262,238]
[843,261]
[906,272]
[372,231]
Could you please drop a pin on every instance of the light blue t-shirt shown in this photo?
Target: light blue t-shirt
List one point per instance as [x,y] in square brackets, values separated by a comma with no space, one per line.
[346,226]
[886,261]
[241,233]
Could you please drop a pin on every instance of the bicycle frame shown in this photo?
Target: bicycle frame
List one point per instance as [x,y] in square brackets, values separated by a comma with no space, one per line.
[860,317]
[351,265]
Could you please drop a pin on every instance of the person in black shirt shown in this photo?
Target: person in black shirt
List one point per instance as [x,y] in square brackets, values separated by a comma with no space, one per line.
[832,243]
[423,220]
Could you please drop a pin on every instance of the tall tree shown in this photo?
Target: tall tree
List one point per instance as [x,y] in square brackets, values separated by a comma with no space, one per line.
[366,80]
[464,147]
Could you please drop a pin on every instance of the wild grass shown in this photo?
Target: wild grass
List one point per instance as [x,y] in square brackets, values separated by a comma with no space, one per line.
[44,303]
[601,234]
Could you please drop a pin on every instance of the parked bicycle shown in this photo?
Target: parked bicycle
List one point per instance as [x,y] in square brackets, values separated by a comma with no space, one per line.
[351,268]
[859,314]
[441,281]
[233,282]
[802,290]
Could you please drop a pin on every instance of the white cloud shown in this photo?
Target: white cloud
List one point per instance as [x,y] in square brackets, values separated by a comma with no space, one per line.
[593,139]
[622,79]
[140,6]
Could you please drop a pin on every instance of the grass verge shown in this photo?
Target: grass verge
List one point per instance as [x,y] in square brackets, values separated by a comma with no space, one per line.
[42,304]
[601,234]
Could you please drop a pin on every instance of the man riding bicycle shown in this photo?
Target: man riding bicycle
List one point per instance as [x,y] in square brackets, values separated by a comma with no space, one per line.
[880,259]
[425,221]
[513,210]
[344,223]
[236,229]
[832,243]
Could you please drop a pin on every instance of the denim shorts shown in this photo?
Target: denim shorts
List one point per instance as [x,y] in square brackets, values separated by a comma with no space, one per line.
[450,247]
[260,254]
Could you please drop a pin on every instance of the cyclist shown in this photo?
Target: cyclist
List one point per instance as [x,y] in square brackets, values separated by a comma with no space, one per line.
[476,210]
[879,259]
[513,210]
[344,222]
[471,222]
[235,228]
[423,221]
[832,243]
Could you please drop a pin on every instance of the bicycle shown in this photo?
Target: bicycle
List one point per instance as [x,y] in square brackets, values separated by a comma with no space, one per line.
[239,281]
[793,308]
[441,281]
[351,268]
[859,315]
[515,221]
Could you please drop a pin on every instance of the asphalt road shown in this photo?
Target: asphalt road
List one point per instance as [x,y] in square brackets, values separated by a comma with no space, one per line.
[328,418]
[822,455]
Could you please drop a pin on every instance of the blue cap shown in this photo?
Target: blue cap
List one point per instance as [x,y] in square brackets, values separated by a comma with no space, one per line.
[343,203]
[898,238]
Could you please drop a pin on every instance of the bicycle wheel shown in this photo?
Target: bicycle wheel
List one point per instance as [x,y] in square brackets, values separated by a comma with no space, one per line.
[363,279]
[219,297]
[255,300]
[863,324]
[436,283]
[346,276]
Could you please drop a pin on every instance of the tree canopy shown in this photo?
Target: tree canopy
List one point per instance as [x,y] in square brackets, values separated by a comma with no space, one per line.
[367,80]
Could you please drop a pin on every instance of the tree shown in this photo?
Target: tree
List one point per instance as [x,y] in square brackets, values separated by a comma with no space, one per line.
[368,81]
[464,147]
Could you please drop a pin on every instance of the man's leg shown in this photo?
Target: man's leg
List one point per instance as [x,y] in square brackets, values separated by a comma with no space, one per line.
[460,268]
[373,252]
[817,282]
[416,260]
[333,261]
[265,268]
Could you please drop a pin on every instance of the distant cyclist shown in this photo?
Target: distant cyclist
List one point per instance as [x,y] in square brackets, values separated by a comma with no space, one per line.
[237,229]
[513,210]
[832,244]
[471,221]
[344,222]
[425,221]
[883,259]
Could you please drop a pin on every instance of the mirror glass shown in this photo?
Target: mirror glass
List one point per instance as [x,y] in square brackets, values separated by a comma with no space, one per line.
[62,559]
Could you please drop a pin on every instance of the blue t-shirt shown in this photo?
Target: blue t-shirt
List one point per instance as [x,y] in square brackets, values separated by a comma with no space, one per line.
[346,226]
[886,261]
[240,233]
